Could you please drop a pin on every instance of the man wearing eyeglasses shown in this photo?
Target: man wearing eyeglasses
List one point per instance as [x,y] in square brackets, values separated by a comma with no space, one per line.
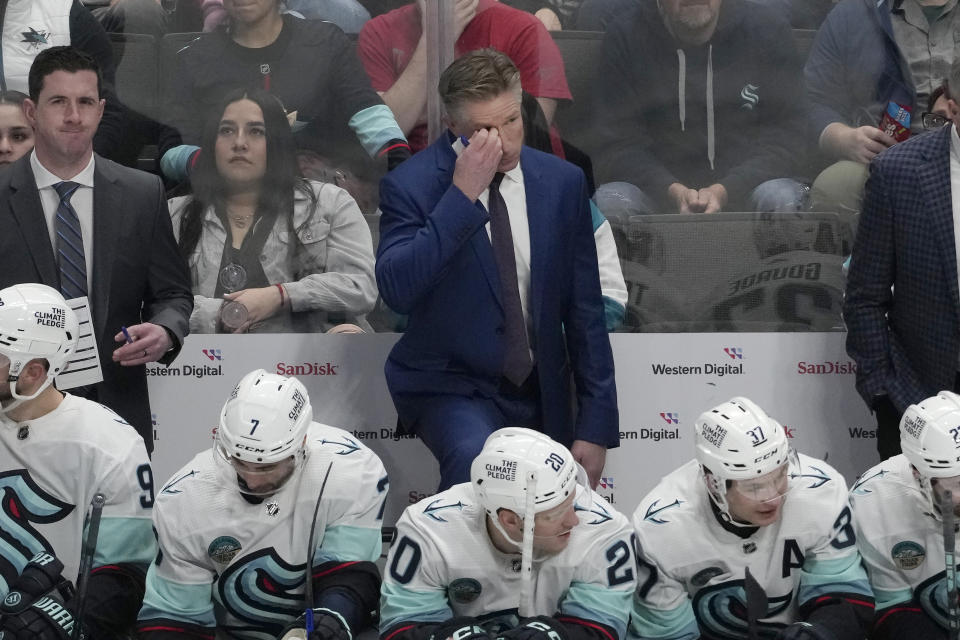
[938,109]
[902,307]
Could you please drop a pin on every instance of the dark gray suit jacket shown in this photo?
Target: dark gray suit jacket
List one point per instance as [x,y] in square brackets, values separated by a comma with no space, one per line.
[902,305]
[138,274]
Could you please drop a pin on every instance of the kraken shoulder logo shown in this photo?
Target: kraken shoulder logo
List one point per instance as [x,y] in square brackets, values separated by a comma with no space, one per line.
[749,96]
[23,502]
[224,549]
[262,594]
[721,611]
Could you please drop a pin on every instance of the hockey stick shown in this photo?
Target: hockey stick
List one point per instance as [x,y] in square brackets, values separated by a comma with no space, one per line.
[756,603]
[308,587]
[945,498]
[86,561]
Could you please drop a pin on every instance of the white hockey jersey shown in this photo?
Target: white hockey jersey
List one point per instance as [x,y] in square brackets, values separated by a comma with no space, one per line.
[443,565]
[239,566]
[50,469]
[901,542]
[692,576]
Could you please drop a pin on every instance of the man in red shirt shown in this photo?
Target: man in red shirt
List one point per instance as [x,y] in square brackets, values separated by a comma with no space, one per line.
[392,48]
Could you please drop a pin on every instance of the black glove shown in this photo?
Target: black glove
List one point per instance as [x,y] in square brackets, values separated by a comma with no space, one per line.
[327,625]
[34,607]
[462,628]
[805,631]
[538,628]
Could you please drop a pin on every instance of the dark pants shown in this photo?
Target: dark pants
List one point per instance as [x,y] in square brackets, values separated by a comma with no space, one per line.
[888,424]
[455,427]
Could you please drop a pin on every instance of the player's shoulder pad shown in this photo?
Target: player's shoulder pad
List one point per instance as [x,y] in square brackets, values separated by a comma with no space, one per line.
[199,471]
[876,483]
[814,479]
[100,429]
[671,503]
[448,508]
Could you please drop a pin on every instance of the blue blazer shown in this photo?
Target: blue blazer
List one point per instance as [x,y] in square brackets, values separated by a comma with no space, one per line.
[435,263]
[905,341]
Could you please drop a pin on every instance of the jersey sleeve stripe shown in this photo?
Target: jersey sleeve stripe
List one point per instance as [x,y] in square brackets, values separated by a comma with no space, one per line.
[893,610]
[157,628]
[339,567]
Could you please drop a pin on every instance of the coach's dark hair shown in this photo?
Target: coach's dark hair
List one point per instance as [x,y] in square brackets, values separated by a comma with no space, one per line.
[477,76]
[67,59]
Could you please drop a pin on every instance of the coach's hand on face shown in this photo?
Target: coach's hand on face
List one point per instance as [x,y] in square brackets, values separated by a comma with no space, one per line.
[478,163]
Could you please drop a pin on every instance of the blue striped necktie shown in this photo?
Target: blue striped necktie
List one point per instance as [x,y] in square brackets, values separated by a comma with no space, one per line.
[73,264]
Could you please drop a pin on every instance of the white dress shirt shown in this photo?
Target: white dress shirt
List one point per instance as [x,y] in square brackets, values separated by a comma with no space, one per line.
[515,196]
[82,201]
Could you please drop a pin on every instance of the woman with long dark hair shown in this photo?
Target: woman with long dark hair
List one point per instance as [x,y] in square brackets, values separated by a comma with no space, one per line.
[269,251]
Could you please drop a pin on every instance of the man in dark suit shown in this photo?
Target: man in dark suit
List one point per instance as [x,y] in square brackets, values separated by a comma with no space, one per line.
[502,314]
[87,226]
[902,307]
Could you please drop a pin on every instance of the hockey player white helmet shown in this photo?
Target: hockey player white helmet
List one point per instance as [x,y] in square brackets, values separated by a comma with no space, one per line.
[264,423]
[741,446]
[528,473]
[930,440]
[509,458]
[35,322]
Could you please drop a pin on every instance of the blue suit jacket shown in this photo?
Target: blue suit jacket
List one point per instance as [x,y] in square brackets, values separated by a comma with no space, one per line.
[905,341]
[435,263]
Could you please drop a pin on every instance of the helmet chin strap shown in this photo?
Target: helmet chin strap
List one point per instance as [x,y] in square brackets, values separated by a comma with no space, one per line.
[19,399]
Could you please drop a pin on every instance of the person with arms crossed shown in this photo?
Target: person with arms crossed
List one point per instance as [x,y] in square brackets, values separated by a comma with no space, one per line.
[90,227]
[524,551]
[235,526]
[748,502]
[898,519]
[488,247]
[57,452]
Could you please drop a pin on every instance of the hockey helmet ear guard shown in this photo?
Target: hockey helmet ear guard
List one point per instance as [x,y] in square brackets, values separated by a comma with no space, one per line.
[739,446]
[35,322]
[263,424]
[930,440]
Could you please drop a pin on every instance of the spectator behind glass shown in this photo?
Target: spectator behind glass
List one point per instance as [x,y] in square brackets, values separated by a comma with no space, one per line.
[872,61]
[938,108]
[41,25]
[310,65]
[730,138]
[349,15]
[393,50]
[16,135]
[595,15]
[131,16]
[269,251]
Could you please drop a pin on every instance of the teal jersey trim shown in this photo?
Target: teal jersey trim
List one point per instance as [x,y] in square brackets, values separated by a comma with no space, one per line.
[613,314]
[657,624]
[596,216]
[125,541]
[344,543]
[833,575]
[173,164]
[399,604]
[375,126]
[887,598]
[600,604]
[185,602]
